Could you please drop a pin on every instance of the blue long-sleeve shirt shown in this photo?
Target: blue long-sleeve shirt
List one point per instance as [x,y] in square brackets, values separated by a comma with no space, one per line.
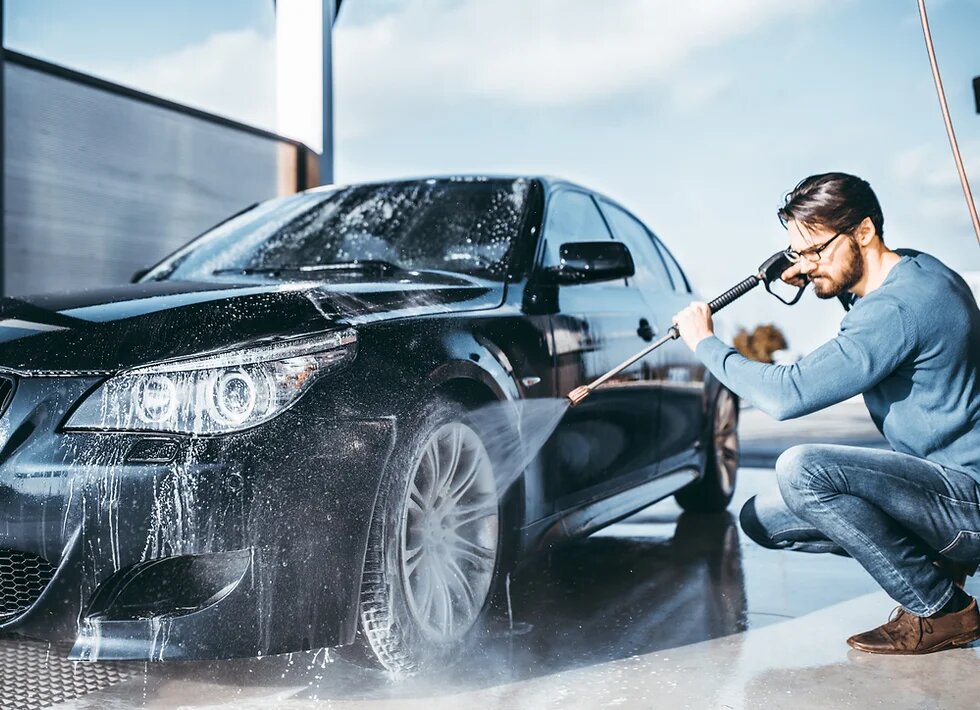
[911,346]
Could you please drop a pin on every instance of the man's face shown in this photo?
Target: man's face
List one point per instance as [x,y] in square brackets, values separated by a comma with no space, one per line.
[839,265]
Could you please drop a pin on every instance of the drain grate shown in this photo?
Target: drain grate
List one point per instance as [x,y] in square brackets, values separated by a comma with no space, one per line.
[34,675]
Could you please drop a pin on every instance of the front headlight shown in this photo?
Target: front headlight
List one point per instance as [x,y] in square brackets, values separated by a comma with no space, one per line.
[215,394]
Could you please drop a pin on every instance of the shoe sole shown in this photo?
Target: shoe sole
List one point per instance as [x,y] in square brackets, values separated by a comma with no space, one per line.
[955,641]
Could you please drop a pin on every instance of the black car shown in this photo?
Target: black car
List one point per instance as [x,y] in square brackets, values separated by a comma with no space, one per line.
[277,438]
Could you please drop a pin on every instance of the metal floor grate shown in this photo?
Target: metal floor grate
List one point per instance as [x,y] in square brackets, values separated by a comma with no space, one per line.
[35,675]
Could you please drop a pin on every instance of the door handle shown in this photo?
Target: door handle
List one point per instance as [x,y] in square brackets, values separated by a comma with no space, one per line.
[646,331]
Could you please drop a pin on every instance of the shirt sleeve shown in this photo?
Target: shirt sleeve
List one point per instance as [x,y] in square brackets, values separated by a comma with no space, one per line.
[874,340]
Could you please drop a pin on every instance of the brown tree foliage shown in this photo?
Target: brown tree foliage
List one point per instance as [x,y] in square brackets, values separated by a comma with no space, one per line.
[761,343]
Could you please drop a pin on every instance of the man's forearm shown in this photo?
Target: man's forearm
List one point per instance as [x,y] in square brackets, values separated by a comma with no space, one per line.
[825,377]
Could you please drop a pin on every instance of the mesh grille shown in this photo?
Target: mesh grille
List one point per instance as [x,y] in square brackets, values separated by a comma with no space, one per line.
[34,675]
[22,579]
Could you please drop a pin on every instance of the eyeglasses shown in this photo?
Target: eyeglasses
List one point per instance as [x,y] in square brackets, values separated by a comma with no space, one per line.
[811,254]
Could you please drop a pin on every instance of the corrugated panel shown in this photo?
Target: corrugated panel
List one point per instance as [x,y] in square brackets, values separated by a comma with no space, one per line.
[99,185]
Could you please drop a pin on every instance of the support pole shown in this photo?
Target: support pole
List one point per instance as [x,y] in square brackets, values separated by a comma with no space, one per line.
[326,154]
[3,156]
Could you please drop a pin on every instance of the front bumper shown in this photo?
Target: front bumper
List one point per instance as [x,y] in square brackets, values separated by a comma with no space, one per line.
[180,547]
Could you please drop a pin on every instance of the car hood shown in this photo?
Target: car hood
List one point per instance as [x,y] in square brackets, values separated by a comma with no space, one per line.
[105,330]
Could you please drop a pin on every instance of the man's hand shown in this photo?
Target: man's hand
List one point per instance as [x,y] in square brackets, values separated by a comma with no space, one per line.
[794,276]
[694,324]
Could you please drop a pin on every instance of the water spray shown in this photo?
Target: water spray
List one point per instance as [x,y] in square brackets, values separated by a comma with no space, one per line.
[770,270]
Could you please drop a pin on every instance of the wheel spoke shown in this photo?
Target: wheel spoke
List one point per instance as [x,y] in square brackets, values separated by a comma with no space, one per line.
[468,596]
[477,554]
[462,483]
[728,448]
[417,508]
[415,496]
[432,457]
[466,514]
[445,598]
[413,558]
[426,590]
[455,449]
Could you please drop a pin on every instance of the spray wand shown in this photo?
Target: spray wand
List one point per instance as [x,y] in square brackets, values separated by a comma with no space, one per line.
[770,270]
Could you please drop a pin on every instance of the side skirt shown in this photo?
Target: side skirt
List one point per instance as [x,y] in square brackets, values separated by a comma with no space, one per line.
[549,532]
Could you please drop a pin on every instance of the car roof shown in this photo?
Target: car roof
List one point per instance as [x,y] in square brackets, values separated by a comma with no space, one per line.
[549,182]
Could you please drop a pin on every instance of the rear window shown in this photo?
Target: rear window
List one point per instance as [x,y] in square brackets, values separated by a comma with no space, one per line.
[681,284]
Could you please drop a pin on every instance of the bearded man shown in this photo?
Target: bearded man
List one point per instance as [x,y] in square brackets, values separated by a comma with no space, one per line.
[910,343]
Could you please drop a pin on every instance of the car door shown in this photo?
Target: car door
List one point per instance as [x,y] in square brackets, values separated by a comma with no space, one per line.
[682,406]
[608,442]
[673,369]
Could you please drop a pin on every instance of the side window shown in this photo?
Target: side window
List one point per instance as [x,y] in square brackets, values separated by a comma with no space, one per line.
[572,217]
[650,270]
[681,284]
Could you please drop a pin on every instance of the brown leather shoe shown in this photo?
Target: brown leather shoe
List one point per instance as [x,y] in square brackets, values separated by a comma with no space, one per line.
[908,634]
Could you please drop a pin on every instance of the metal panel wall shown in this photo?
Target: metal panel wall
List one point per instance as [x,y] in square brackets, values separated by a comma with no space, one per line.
[101,181]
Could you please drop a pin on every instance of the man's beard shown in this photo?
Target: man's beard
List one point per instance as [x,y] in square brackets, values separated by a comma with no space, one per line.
[852,272]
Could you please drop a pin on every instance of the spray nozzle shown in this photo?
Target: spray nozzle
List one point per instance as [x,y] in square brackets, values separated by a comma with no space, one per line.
[772,269]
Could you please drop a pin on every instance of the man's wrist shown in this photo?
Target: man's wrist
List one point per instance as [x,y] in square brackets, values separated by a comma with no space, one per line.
[706,343]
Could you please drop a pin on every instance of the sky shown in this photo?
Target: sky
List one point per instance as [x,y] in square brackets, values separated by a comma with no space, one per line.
[697,116]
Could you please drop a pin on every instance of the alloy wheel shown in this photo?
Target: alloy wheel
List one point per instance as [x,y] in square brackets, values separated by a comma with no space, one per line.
[449,533]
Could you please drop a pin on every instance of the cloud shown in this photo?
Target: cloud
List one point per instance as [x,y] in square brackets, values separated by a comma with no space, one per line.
[928,172]
[231,73]
[696,92]
[544,53]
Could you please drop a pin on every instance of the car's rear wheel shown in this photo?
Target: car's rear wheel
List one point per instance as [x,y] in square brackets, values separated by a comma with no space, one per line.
[433,551]
[713,492]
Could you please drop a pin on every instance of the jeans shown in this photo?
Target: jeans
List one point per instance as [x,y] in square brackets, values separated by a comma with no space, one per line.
[894,513]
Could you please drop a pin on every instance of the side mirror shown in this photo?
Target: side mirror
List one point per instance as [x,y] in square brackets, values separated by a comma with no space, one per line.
[590,262]
[138,275]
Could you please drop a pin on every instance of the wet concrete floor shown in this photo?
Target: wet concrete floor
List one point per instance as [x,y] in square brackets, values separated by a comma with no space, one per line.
[664,610]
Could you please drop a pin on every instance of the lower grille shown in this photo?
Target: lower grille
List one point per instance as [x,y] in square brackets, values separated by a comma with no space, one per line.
[23,577]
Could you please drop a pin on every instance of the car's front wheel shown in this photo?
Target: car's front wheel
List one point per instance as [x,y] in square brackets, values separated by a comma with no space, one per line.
[433,550]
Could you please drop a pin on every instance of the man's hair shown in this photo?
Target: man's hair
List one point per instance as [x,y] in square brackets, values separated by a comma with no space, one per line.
[837,201]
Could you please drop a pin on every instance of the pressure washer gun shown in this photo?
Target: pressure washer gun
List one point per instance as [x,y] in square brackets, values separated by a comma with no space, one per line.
[770,270]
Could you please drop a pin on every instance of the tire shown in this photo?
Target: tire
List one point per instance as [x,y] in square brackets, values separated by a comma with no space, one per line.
[714,491]
[434,548]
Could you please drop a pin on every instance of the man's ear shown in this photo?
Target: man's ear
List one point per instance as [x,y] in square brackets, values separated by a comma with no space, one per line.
[865,232]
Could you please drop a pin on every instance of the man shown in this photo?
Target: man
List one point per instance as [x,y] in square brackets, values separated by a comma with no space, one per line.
[911,344]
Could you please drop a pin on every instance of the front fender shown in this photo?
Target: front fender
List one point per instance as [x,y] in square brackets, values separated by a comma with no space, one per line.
[479,360]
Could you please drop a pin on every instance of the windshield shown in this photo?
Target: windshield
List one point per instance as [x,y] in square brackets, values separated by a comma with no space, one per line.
[464,226]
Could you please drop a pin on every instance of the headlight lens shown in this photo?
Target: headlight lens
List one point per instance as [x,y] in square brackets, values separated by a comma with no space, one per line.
[215,394]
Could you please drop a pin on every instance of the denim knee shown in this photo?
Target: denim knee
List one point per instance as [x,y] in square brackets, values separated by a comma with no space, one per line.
[796,470]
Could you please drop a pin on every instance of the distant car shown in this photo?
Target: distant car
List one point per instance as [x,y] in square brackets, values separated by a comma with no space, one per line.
[268,442]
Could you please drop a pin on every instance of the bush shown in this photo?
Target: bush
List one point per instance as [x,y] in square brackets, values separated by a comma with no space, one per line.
[761,343]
